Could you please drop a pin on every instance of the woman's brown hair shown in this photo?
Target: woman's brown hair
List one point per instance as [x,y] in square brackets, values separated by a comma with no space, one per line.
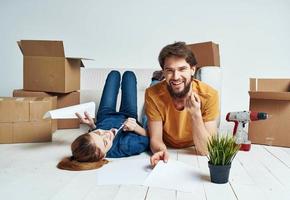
[85,155]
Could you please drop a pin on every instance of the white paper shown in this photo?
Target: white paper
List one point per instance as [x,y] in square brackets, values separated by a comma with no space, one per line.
[69,112]
[174,175]
[124,172]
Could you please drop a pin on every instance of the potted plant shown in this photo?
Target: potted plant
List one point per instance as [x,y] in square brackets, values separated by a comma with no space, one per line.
[221,152]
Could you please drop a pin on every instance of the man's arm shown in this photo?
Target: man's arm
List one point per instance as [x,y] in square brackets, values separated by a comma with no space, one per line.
[155,130]
[202,133]
[155,133]
[157,145]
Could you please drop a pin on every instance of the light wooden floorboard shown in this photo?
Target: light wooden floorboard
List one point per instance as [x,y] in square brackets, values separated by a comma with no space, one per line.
[187,156]
[224,191]
[278,169]
[279,153]
[265,181]
[106,192]
[42,183]
[28,171]
[78,187]
[160,194]
[190,196]
[287,150]
[131,193]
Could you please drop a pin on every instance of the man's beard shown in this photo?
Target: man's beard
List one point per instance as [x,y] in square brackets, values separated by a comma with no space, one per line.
[181,94]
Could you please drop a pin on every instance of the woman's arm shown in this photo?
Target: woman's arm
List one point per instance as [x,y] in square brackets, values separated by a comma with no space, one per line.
[140,130]
[86,120]
[131,125]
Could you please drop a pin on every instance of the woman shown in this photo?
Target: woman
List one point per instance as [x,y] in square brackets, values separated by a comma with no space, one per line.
[115,134]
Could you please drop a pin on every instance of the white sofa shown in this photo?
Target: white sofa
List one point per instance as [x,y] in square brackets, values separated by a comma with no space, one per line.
[93,80]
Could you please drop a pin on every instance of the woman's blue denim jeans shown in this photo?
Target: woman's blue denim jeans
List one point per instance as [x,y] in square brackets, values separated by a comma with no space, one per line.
[108,102]
[125,143]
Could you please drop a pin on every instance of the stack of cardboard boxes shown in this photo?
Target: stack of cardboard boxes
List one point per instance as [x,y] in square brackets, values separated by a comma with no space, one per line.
[47,73]
[21,119]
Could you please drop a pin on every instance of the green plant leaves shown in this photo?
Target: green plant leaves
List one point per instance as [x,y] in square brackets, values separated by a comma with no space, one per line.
[222,150]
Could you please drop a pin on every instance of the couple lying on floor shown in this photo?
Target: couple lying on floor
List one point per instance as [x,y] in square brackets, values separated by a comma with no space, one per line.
[182,112]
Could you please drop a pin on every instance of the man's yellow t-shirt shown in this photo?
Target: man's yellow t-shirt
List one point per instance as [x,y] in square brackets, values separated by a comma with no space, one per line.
[177,125]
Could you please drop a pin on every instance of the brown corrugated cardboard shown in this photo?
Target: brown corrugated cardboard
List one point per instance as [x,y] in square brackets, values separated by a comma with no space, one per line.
[38,131]
[6,133]
[24,109]
[14,110]
[206,53]
[45,67]
[31,128]
[18,132]
[273,97]
[63,100]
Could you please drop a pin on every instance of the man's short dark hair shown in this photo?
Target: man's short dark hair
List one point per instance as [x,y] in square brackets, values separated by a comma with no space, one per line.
[178,49]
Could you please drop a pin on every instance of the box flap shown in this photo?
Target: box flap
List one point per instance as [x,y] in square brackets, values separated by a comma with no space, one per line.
[19,44]
[253,84]
[41,48]
[270,85]
[79,58]
[204,43]
[270,95]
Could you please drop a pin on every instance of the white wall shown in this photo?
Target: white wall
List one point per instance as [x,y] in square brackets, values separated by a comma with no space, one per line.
[254,35]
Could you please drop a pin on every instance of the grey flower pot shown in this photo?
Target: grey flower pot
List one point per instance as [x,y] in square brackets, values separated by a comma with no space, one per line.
[219,173]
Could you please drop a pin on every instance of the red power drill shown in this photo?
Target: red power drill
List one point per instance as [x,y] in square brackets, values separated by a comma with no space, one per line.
[240,119]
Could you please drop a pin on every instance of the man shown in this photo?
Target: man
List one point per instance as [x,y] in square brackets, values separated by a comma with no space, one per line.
[181,111]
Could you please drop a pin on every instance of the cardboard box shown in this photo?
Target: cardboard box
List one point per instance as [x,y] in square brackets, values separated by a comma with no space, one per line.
[22,132]
[206,53]
[273,97]
[21,119]
[45,67]
[63,100]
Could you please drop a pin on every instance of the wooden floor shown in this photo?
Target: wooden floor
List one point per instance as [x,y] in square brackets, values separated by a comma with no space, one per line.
[27,171]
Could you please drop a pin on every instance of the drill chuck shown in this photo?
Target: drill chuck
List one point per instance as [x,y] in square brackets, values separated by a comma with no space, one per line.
[262,116]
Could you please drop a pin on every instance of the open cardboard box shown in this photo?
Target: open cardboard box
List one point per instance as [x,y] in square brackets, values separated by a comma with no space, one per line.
[21,119]
[273,97]
[206,53]
[45,67]
[63,100]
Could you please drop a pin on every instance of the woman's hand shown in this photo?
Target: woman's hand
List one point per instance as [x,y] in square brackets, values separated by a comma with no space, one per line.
[86,120]
[130,124]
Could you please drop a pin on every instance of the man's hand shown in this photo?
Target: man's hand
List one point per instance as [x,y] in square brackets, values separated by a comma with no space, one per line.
[193,104]
[160,155]
[130,124]
[86,120]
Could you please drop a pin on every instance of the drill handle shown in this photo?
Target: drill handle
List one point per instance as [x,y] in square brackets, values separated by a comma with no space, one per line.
[235,127]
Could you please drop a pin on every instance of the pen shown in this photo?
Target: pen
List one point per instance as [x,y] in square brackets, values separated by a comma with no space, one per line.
[119,129]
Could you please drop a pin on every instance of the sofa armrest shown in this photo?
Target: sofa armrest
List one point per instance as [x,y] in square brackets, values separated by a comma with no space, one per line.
[212,75]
